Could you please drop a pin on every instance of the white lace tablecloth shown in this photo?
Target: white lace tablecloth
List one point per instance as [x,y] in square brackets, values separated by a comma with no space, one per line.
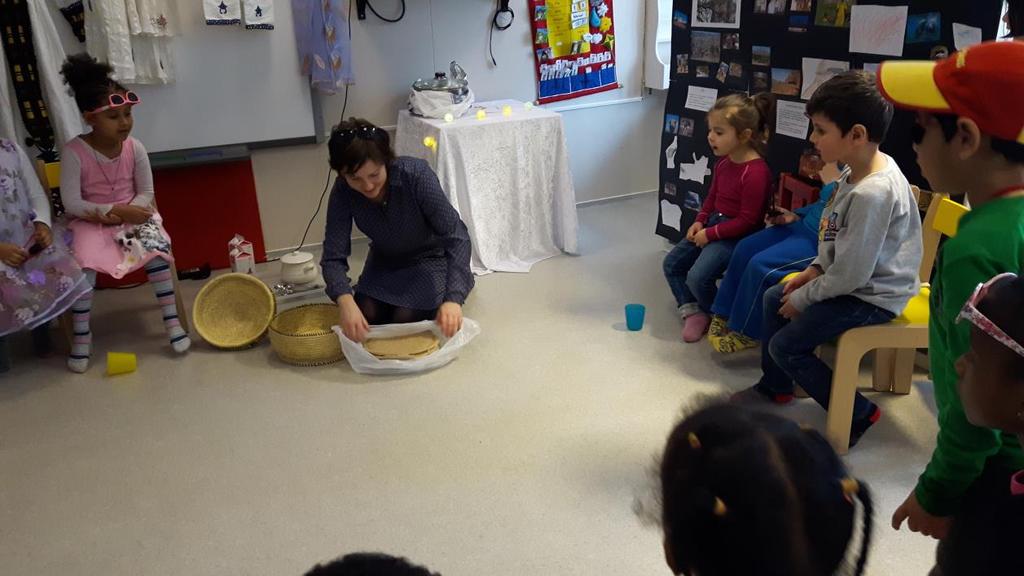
[507,176]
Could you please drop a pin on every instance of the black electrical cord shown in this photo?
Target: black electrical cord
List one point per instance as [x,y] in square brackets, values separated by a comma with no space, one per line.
[499,9]
[319,205]
[377,14]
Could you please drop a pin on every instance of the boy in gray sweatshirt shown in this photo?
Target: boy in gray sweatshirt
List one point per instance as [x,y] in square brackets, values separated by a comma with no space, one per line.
[869,251]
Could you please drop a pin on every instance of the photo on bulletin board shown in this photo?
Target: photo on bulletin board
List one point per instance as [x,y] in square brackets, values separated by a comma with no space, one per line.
[680,19]
[692,201]
[686,127]
[703,71]
[682,63]
[835,13]
[924,28]
[731,41]
[707,46]
[540,13]
[800,6]
[799,22]
[716,13]
[759,82]
[785,82]
[723,72]
[761,56]
[671,123]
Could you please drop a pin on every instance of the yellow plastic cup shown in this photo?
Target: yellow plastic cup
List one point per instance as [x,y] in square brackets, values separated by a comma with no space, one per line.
[121,363]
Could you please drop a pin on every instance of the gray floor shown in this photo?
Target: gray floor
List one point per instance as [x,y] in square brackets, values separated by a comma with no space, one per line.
[522,457]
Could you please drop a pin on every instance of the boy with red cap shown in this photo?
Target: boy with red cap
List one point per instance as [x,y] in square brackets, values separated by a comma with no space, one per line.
[969,137]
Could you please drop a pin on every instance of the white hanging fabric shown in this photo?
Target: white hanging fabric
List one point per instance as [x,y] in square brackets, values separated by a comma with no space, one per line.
[134,37]
[108,37]
[153,23]
[259,14]
[65,118]
[222,12]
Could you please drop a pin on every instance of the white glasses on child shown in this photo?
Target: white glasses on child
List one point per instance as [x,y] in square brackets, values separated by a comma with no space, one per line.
[971,313]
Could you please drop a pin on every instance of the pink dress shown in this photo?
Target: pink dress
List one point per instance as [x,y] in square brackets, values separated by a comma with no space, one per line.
[120,249]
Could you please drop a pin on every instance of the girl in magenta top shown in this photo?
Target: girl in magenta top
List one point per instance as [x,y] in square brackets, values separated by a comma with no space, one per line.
[738,130]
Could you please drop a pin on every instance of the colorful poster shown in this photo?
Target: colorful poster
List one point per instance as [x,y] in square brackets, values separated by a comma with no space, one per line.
[574,47]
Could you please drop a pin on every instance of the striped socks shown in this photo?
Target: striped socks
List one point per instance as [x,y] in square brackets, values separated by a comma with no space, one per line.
[81,342]
[159,273]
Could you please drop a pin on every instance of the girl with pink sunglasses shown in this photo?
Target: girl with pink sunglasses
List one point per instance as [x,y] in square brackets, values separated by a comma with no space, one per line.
[107,187]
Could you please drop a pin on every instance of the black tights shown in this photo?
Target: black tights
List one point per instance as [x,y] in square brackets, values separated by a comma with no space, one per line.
[377,312]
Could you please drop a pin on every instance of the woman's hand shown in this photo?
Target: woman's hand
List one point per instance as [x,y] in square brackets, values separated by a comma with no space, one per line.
[131,214]
[353,323]
[692,232]
[43,236]
[12,254]
[108,219]
[449,318]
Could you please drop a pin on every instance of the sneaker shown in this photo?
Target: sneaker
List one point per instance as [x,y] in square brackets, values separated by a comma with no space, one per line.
[719,327]
[755,395]
[859,427]
[688,309]
[695,327]
[734,342]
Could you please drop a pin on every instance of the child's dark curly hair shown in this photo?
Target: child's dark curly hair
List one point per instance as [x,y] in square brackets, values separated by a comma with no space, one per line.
[747,492]
[90,81]
[369,564]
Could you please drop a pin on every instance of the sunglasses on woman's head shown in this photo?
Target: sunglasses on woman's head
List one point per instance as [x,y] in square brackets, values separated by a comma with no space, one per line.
[116,100]
[971,313]
[347,135]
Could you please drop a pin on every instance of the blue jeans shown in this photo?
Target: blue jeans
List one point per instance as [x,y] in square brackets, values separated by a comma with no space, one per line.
[789,357]
[758,263]
[693,272]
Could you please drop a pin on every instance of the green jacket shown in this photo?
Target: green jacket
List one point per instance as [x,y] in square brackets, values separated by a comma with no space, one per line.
[990,241]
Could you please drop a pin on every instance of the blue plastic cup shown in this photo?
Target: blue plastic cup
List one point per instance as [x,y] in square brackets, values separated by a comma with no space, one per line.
[635,316]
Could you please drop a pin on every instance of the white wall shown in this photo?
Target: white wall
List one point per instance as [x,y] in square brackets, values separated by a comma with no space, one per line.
[613,146]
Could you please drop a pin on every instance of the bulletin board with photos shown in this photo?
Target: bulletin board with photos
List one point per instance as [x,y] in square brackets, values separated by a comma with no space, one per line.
[790,47]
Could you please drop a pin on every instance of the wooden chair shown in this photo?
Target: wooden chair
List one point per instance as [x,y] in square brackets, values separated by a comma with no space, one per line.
[49,176]
[796,193]
[894,343]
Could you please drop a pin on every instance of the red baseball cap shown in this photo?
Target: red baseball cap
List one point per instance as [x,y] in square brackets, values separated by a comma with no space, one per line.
[984,83]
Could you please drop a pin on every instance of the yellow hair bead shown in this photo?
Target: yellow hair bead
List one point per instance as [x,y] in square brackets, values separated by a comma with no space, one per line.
[850,486]
[720,508]
[694,441]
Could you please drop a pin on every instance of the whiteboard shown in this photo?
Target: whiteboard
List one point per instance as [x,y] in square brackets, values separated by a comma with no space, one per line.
[234,86]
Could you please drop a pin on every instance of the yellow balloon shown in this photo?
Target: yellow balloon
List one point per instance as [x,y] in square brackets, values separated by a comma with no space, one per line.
[481,114]
[506,111]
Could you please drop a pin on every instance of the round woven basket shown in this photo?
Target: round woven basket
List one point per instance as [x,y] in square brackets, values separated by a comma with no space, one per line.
[303,335]
[233,311]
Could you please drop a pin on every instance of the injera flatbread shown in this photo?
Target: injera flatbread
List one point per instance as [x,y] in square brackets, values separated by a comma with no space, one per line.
[403,347]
